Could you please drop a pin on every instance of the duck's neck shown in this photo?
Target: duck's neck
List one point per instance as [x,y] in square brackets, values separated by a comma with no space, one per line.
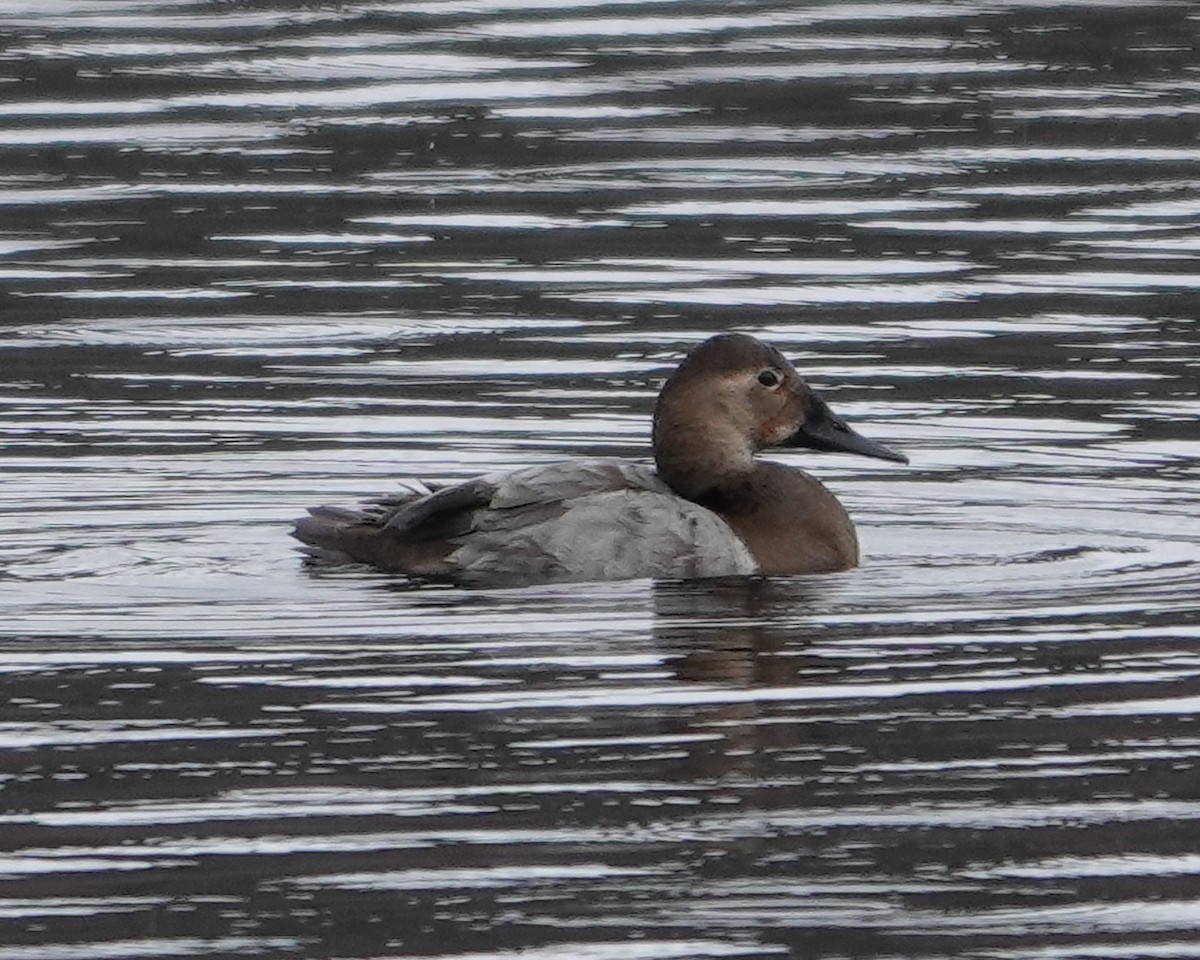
[787,518]
[698,462]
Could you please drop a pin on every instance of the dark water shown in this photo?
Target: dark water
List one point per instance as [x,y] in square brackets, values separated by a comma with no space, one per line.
[255,256]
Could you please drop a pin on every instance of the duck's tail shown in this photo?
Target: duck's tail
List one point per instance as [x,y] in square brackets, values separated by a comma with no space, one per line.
[342,535]
[328,533]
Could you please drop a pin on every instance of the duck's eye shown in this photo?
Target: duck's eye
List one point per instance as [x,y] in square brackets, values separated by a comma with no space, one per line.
[769,378]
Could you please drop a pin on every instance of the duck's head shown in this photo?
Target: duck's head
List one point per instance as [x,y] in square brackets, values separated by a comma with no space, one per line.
[733,396]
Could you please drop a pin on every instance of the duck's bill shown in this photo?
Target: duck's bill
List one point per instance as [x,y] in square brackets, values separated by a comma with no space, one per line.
[824,430]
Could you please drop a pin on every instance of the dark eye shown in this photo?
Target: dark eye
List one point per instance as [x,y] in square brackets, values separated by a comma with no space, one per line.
[769,378]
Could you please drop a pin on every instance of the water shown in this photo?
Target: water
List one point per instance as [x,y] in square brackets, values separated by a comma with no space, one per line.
[259,256]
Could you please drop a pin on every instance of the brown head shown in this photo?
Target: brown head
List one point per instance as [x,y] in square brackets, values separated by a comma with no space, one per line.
[731,397]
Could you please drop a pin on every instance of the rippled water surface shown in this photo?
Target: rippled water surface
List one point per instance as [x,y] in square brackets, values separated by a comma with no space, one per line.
[256,256]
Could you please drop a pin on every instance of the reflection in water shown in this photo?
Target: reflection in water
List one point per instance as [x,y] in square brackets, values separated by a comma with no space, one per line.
[255,257]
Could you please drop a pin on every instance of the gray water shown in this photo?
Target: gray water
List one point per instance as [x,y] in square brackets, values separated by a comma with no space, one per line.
[257,256]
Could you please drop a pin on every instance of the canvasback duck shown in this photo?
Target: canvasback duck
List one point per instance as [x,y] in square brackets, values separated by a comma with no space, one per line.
[710,509]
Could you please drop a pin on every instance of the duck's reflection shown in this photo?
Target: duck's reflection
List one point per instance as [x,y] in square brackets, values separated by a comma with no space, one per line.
[744,630]
[742,636]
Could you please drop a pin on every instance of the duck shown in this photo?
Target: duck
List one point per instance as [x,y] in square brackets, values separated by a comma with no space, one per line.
[707,507]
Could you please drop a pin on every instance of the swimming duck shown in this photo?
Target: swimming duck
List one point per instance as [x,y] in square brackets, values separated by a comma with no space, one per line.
[708,508]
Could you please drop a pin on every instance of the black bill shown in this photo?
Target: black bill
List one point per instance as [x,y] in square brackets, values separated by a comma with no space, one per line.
[824,430]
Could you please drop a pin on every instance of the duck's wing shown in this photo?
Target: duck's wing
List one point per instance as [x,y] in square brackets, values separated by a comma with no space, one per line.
[508,500]
[416,529]
[577,520]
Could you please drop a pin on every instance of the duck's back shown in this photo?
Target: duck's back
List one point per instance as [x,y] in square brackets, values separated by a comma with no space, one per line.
[570,521]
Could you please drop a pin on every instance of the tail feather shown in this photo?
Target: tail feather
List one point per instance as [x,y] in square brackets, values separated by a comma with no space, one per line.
[323,533]
[341,535]
[344,514]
